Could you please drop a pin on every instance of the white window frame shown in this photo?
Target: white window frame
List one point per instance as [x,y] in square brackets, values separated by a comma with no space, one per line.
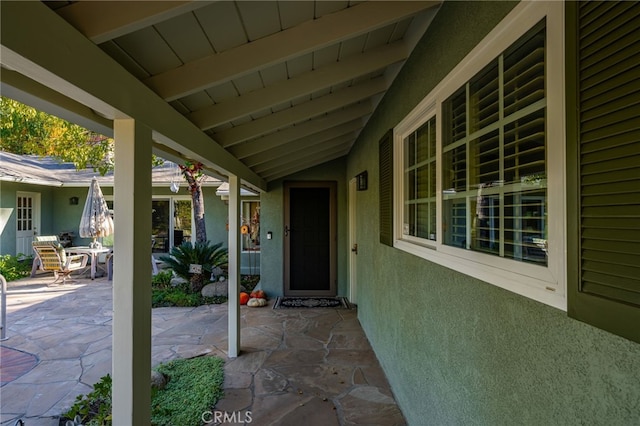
[172,199]
[412,126]
[546,284]
[243,220]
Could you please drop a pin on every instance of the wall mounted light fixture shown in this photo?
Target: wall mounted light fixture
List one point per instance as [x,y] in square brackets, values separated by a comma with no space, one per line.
[73,201]
[362,181]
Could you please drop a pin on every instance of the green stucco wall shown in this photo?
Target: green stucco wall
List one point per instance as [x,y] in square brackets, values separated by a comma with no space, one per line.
[457,350]
[66,217]
[272,219]
[58,215]
[8,192]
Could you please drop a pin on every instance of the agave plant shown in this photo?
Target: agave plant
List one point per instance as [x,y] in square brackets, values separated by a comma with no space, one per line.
[204,253]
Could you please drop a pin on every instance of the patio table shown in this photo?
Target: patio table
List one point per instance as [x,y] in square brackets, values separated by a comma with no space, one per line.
[93,254]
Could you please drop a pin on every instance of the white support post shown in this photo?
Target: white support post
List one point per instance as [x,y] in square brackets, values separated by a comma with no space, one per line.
[131,358]
[234,267]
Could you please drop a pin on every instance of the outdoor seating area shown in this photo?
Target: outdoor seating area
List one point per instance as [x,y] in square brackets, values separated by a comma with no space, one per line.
[293,362]
[56,260]
[50,256]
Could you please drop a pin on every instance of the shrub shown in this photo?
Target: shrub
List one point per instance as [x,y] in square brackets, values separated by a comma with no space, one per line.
[15,267]
[162,279]
[201,253]
[93,408]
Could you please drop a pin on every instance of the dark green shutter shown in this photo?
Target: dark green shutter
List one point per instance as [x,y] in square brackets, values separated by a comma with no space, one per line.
[385,160]
[604,110]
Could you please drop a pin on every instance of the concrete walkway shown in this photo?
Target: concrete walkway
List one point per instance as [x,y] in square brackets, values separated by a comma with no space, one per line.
[310,366]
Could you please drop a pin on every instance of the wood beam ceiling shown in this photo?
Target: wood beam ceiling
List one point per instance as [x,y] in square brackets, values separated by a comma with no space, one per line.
[101,21]
[280,47]
[305,129]
[305,84]
[301,112]
[345,132]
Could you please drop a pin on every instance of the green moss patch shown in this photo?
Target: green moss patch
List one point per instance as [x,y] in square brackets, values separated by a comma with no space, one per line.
[193,387]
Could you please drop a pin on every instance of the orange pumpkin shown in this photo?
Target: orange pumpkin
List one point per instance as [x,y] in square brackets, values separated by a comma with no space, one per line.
[258,294]
[244,298]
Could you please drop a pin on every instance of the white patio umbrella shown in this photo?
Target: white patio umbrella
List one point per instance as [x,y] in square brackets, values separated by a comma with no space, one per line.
[96,221]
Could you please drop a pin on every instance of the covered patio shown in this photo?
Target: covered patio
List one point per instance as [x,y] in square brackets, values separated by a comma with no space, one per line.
[254,91]
[305,365]
[332,99]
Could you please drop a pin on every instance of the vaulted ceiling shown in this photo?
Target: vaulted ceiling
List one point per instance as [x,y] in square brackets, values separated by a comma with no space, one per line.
[280,85]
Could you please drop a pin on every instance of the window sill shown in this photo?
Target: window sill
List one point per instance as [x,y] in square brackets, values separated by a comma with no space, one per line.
[541,287]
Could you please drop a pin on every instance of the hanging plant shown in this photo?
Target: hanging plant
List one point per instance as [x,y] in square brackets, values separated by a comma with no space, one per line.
[193,173]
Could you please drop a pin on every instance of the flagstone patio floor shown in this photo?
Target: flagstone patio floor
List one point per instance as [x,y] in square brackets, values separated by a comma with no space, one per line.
[301,366]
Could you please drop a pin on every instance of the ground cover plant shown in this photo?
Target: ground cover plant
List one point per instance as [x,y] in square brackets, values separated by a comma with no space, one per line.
[165,294]
[193,387]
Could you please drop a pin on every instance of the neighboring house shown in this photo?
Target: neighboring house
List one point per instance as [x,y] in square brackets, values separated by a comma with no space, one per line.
[41,196]
[490,240]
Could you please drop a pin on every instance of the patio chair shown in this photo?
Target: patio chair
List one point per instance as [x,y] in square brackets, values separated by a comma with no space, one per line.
[54,259]
[42,240]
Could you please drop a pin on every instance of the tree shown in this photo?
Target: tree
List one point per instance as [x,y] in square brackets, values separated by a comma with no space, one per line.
[194,175]
[26,131]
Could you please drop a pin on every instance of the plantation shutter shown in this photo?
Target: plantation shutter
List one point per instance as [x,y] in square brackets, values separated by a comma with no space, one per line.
[607,95]
[385,161]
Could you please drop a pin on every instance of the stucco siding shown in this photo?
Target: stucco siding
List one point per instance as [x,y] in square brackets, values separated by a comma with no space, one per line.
[457,350]
[8,191]
[58,215]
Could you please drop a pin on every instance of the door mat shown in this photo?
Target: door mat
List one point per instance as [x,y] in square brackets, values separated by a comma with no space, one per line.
[312,302]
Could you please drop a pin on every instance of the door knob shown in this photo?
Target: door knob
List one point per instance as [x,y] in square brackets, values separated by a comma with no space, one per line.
[355,248]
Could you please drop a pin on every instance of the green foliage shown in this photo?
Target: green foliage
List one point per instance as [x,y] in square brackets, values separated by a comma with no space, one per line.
[180,295]
[192,171]
[93,409]
[162,280]
[201,253]
[249,282]
[193,387]
[13,268]
[25,130]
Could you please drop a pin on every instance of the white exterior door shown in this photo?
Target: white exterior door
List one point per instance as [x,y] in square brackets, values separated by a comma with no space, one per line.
[27,220]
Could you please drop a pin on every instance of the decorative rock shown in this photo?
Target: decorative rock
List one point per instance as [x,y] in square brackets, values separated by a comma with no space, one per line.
[158,380]
[215,289]
[220,288]
[176,281]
